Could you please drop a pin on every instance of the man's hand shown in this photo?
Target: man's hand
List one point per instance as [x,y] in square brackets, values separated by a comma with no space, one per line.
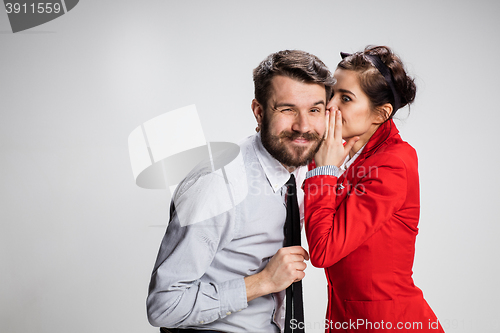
[284,268]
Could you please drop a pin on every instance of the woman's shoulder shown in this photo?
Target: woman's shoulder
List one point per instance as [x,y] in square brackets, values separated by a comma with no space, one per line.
[395,150]
[398,145]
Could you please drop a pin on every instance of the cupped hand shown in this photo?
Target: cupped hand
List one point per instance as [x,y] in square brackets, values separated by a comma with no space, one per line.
[332,150]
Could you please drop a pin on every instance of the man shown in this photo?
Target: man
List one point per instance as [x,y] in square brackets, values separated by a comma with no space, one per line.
[222,265]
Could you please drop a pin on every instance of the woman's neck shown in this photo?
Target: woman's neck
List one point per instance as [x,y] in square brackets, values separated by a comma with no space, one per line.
[362,141]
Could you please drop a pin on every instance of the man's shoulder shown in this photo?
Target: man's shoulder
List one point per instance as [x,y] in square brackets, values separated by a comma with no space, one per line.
[224,157]
[216,184]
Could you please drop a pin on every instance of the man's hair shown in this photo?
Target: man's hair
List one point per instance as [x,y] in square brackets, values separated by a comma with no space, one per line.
[295,64]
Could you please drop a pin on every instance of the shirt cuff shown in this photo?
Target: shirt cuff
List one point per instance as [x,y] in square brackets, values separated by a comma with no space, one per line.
[233,296]
[325,170]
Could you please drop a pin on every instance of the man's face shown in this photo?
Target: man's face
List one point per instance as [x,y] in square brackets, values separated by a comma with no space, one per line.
[294,123]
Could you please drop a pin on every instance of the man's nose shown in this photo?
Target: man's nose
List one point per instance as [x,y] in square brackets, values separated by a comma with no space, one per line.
[301,123]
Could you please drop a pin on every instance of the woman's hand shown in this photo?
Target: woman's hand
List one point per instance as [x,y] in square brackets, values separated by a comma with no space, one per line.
[332,150]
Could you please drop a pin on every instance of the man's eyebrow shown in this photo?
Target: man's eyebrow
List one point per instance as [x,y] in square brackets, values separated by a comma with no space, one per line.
[279,105]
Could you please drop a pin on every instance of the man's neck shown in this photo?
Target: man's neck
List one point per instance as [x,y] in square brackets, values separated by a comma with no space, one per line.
[290,169]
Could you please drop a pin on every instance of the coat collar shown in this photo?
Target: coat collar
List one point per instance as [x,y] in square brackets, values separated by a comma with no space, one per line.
[385,131]
[379,139]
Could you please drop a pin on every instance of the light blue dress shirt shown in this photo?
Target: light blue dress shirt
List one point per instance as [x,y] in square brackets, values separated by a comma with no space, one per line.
[225,225]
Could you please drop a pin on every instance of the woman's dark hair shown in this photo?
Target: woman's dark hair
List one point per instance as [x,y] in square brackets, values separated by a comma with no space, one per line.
[373,83]
[295,64]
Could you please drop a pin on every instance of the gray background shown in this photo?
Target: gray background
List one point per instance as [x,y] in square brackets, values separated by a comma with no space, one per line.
[78,238]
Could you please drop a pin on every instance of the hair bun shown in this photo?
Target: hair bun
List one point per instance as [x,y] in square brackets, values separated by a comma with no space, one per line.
[404,84]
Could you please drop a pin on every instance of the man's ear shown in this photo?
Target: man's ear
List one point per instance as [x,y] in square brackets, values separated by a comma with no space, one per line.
[258,112]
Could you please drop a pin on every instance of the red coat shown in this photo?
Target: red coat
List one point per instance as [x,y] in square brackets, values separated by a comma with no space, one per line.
[361,228]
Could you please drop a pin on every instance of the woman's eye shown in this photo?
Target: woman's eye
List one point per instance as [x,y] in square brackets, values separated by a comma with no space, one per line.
[346,99]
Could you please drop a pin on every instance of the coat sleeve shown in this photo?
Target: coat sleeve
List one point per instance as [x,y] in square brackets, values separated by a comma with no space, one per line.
[335,229]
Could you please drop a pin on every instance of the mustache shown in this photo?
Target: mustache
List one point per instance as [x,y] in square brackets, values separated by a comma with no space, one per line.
[294,135]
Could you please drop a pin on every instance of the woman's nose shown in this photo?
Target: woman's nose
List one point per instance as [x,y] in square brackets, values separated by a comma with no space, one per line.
[333,103]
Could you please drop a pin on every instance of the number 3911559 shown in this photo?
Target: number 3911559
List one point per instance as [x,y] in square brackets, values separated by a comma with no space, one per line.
[39,8]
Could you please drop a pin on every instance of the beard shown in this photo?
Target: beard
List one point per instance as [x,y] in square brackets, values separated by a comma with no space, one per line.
[281,148]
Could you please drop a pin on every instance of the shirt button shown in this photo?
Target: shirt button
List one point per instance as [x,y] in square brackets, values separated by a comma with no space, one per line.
[228,313]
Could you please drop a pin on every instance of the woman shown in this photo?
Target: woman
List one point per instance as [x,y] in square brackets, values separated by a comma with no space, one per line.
[362,201]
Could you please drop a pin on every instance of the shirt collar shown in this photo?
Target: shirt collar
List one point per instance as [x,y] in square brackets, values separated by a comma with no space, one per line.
[348,161]
[276,174]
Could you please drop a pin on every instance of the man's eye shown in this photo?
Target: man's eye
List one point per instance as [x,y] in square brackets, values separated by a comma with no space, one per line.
[286,110]
[315,110]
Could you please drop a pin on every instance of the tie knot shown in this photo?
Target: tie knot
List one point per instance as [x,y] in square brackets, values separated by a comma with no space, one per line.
[291,187]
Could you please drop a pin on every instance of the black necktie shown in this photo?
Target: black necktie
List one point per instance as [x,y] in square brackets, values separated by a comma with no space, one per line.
[294,304]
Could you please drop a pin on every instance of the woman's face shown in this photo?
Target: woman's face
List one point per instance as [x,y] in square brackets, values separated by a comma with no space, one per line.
[355,107]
